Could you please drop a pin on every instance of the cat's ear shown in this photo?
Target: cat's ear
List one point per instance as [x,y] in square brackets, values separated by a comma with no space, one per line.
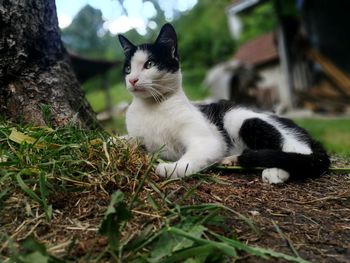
[167,35]
[126,44]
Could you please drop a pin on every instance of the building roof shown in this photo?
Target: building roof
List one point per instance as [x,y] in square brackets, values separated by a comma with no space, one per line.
[237,6]
[258,51]
[86,68]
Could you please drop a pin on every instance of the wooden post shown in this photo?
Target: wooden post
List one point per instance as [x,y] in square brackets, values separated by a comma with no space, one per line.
[286,94]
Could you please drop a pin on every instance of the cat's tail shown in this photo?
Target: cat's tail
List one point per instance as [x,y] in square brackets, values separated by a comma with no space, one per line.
[298,165]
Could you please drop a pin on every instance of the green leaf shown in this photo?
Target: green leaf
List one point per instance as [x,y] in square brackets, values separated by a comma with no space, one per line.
[26,189]
[36,257]
[33,251]
[138,241]
[152,202]
[116,214]
[3,193]
[191,255]
[223,247]
[257,251]
[30,244]
[44,194]
[169,243]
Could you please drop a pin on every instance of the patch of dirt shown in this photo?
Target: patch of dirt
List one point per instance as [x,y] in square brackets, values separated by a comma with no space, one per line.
[310,218]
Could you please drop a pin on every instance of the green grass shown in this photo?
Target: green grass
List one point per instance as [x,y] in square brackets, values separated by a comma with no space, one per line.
[334,134]
[118,94]
[53,182]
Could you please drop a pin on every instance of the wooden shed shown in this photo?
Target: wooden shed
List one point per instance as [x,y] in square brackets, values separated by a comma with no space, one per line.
[307,49]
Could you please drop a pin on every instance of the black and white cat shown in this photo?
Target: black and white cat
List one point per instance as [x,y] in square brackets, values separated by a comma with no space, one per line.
[197,136]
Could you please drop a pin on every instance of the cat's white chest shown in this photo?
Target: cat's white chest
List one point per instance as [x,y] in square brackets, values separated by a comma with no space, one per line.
[155,129]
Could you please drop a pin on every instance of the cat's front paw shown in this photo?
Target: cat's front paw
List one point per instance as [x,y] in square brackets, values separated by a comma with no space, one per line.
[229,160]
[174,170]
[274,176]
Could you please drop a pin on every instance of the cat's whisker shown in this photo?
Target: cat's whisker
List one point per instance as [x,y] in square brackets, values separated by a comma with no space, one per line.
[159,95]
[152,85]
[163,79]
[155,95]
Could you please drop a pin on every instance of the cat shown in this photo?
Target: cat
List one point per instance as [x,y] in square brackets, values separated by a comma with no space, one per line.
[197,136]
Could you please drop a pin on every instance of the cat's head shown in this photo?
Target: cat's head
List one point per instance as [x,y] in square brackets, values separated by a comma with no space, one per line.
[152,70]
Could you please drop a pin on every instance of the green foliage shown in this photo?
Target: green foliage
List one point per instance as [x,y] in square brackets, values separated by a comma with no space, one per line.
[33,251]
[258,21]
[87,37]
[116,214]
[204,37]
[43,191]
[118,94]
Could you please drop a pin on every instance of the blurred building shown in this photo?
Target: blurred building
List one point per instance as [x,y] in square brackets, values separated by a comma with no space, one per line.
[262,54]
[306,60]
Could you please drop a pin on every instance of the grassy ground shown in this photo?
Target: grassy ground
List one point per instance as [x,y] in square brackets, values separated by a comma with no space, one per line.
[68,195]
[118,94]
[333,133]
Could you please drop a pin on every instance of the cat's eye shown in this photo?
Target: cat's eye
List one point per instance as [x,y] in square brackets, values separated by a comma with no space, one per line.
[127,69]
[149,64]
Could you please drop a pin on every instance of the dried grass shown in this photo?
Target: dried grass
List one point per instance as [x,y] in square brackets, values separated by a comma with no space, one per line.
[310,218]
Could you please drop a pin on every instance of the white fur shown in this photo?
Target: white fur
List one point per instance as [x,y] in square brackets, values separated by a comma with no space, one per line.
[180,131]
[175,126]
[233,121]
[188,138]
[274,176]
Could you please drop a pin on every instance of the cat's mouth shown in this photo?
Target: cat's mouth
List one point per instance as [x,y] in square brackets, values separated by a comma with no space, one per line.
[138,89]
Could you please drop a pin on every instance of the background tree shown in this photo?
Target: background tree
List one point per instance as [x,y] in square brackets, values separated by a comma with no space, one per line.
[87,37]
[37,84]
[204,38]
[257,21]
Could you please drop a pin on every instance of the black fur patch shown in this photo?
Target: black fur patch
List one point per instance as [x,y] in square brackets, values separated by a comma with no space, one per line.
[215,113]
[127,61]
[159,53]
[302,134]
[162,55]
[163,52]
[298,165]
[258,134]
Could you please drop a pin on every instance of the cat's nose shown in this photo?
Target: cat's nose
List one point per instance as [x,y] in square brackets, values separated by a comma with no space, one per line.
[133,81]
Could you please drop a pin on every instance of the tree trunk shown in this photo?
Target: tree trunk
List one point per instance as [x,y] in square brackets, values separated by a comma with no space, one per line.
[37,83]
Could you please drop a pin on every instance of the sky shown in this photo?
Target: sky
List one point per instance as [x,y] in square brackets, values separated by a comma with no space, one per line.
[139,16]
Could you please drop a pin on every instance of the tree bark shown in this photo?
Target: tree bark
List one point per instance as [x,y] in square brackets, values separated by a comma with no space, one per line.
[35,73]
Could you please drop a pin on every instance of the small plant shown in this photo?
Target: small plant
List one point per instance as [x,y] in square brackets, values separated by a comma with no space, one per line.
[47,113]
[116,215]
